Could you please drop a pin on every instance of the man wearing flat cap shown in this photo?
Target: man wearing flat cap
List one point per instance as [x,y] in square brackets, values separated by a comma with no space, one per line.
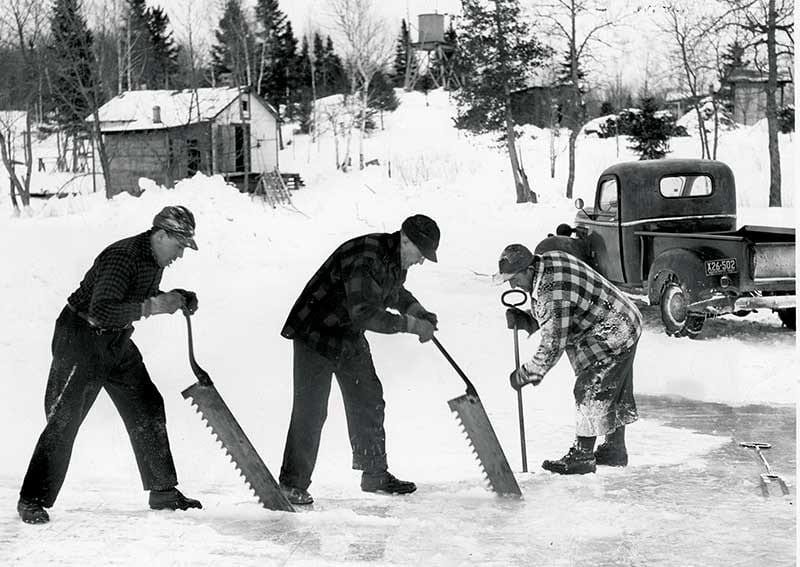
[92,350]
[349,294]
[578,311]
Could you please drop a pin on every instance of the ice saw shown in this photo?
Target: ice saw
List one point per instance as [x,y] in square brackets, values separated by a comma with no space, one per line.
[471,414]
[213,409]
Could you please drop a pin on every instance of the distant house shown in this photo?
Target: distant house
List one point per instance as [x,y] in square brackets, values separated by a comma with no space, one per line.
[750,97]
[169,135]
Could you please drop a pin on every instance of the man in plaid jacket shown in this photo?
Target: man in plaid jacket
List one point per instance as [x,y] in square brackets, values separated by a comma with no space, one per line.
[93,350]
[348,295]
[578,311]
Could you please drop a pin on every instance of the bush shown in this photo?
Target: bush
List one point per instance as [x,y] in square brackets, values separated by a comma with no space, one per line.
[651,130]
[786,119]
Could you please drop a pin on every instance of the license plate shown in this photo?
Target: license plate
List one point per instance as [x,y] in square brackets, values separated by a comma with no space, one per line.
[723,266]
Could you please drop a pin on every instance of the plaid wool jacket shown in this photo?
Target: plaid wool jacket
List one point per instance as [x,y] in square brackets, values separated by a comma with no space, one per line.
[121,278]
[350,294]
[579,311]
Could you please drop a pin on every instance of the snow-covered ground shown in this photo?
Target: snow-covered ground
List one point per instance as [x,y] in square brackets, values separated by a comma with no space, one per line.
[689,497]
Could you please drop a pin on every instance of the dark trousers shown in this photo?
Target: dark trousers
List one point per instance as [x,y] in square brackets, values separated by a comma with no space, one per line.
[363,404]
[84,361]
[604,396]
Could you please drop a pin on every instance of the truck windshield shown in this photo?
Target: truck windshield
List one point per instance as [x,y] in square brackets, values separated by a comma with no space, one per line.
[685,186]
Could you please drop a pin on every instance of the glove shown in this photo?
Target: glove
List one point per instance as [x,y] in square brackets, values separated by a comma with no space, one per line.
[519,378]
[420,327]
[418,311]
[189,300]
[162,303]
[522,319]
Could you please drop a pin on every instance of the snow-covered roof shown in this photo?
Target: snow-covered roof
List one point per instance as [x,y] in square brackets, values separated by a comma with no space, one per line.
[134,110]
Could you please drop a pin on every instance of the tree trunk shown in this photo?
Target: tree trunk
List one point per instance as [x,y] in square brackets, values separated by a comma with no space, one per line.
[573,139]
[523,189]
[772,113]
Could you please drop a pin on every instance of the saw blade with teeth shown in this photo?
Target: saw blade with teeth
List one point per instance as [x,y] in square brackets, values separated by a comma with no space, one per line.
[483,442]
[227,431]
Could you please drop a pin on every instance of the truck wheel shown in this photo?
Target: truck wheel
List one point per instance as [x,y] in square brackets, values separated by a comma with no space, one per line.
[789,317]
[677,320]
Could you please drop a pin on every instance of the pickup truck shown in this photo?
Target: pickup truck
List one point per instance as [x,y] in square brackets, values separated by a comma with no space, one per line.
[667,229]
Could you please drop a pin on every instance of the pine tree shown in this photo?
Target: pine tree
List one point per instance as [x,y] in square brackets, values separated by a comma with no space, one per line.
[732,60]
[272,52]
[73,63]
[138,49]
[401,57]
[336,77]
[499,53]
[164,65]
[232,55]
[649,134]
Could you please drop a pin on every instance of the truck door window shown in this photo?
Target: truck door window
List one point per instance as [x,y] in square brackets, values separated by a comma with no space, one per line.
[608,196]
[685,186]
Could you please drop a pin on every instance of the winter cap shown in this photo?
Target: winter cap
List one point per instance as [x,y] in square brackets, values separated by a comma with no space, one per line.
[424,233]
[514,258]
[178,221]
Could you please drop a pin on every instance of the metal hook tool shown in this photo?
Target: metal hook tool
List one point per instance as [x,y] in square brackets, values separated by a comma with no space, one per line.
[769,476]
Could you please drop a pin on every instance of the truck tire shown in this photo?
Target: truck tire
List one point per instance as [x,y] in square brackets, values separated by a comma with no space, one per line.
[789,317]
[678,322]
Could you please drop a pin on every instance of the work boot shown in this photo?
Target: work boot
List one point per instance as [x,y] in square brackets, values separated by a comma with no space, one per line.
[576,461]
[385,482]
[171,499]
[611,455]
[32,511]
[297,496]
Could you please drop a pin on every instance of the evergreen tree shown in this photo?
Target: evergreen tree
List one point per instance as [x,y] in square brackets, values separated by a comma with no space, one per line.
[381,93]
[334,69]
[288,67]
[401,57]
[732,60]
[137,47]
[272,51]
[73,64]
[649,134]
[499,53]
[164,65]
[232,55]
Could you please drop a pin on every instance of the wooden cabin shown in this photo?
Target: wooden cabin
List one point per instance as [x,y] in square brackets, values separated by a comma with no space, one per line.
[168,135]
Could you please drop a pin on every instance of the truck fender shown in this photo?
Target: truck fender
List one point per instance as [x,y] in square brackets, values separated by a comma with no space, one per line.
[681,265]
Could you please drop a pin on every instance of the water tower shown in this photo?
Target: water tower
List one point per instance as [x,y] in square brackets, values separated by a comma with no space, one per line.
[431,53]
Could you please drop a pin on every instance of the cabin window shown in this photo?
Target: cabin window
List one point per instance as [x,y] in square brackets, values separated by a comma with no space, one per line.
[245,106]
[608,200]
[673,186]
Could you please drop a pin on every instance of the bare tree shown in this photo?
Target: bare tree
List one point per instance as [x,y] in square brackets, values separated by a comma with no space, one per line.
[770,26]
[368,47]
[579,23]
[23,27]
[696,33]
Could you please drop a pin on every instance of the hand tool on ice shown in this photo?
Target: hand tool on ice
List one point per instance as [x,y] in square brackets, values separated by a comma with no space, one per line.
[470,412]
[769,476]
[212,408]
[514,303]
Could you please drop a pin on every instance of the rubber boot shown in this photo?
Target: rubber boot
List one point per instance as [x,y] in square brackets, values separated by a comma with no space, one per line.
[578,460]
[613,452]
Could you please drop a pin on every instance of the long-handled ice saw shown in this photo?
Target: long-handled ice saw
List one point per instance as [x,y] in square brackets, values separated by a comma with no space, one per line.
[769,476]
[470,412]
[515,304]
[211,407]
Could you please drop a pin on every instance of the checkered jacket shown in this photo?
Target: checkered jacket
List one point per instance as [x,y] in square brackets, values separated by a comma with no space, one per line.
[121,278]
[350,294]
[579,311]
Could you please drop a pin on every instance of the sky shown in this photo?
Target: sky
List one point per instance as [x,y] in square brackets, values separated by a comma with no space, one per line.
[690,495]
[629,51]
